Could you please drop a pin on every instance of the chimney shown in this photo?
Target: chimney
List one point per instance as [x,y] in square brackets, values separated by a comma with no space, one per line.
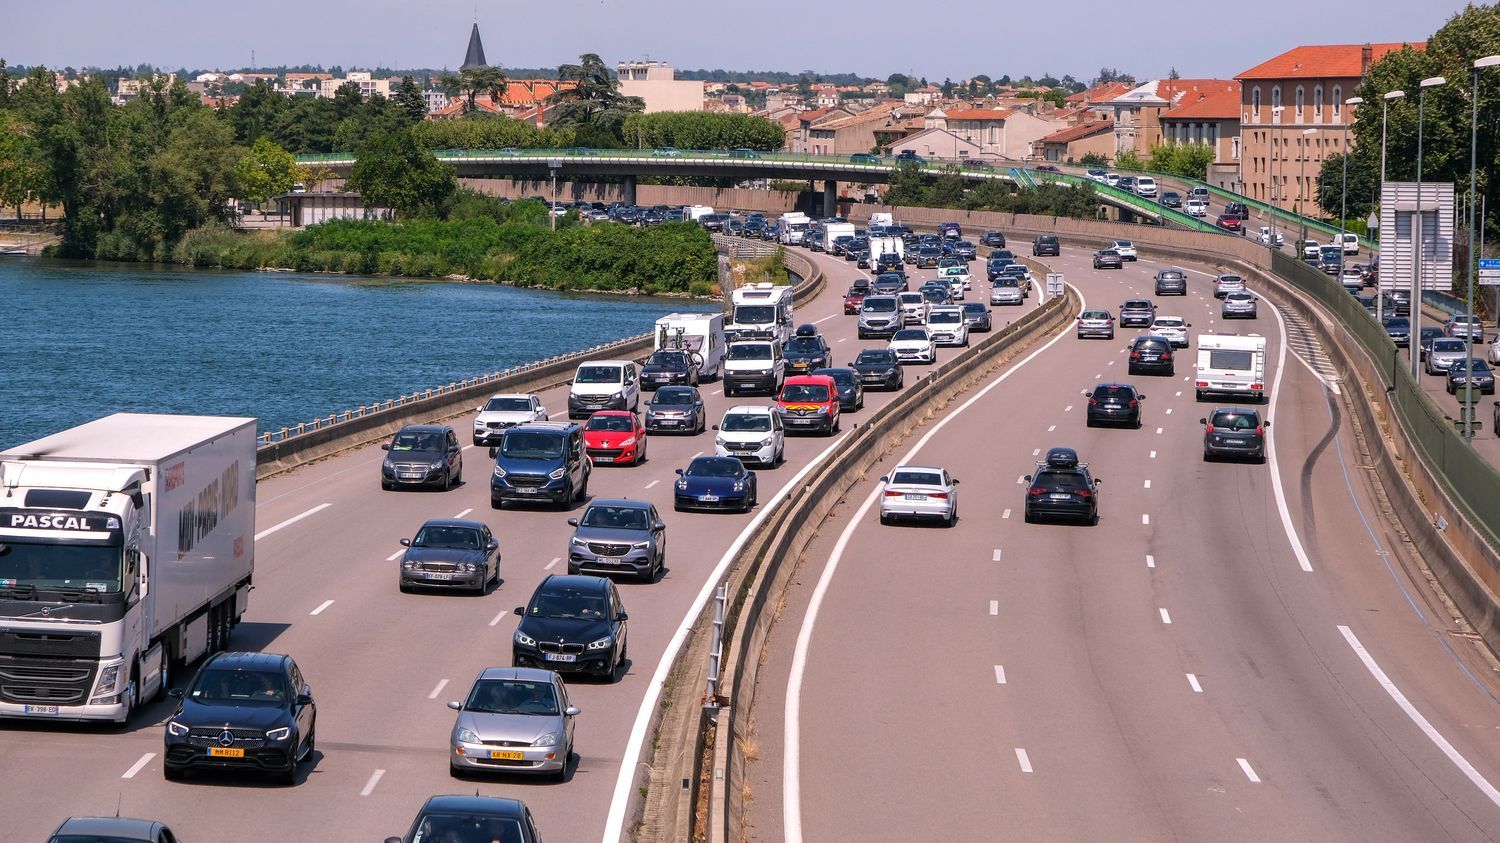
[1365,56]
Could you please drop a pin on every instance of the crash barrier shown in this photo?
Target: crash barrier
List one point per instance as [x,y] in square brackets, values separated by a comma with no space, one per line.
[692,727]
[289,447]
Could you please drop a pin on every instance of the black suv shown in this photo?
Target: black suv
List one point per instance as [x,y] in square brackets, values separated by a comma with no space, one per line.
[1114,403]
[670,366]
[572,624]
[1171,281]
[807,351]
[541,461]
[422,455]
[1236,209]
[1045,245]
[1151,354]
[1234,432]
[887,262]
[1062,488]
[993,238]
[243,711]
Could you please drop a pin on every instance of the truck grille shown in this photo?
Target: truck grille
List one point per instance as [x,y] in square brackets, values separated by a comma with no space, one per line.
[51,681]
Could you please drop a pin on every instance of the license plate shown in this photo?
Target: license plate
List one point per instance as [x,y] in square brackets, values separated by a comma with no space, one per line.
[607,560]
[225,752]
[409,475]
[709,498]
[668,422]
[527,490]
[440,576]
[604,459]
[915,497]
[559,657]
[1234,441]
[39,709]
[1060,497]
[505,755]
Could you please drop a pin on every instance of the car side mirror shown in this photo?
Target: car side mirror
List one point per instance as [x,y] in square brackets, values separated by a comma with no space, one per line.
[1266,423]
[716,427]
[304,699]
[955,481]
[492,545]
[1139,397]
[659,525]
[406,542]
[385,447]
[572,711]
[1203,421]
[1028,478]
[1187,324]
[393,840]
[623,616]
[520,611]
[679,472]
[885,479]
[175,693]
[455,705]
[1097,481]
[572,522]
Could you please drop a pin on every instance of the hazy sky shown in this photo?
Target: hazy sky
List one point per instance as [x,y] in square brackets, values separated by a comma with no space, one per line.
[956,39]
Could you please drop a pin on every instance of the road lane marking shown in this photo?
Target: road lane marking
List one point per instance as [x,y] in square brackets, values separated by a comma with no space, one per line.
[826,318]
[549,565]
[138,766]
[1024,759]
[1020,480]
[1165,618]
[995,557]
[695,456]
[1068,409]
[1005,514]
[1148,484]
[1249,773]
[1145,518]
[319,610]
[1158,430]
[1153,455]
[1150,561]
[1179,393]
[716,392]
[1098,374]
[994,607]
[999,674]
[438,690]
[841,339]
[1052,428]
[652,483]
[462,514]
[469,447]
[1169,411]
[1193,681]
[1273,465]
[495,621]
[1416,717]
[369,787]
[290,521]
[1036,451]
[557,414]
[1113,362]
[394,556]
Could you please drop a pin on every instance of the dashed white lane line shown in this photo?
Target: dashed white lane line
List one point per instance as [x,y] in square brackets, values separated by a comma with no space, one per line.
[1416,717]
[1005,514]
[1158,430]
[1165,618]
[1148,484]
[438,690]
[999,674]
[462,514]
[994,607]
[495,621]
[1150,561]
[138,766]
[1068,409]
[1179,393]
[652,483]
[1169,411]
[1193,681]
[557,415]
[826,318]
[318,611]
[469,447]
[1020,480]
[1145,518]
[995,557]
[1113,362]
[394,556]
[1036,451]
[1153,455]
[549,565]
[369,787]
[290,521]
[1249,773]
[1098,374]
[842,339]
[1051,428]
[1024,760]
[716,392]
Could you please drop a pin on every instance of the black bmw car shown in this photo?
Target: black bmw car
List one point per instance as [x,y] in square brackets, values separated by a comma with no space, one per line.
[243,711]
[667,367]
[573,624]
[878,367]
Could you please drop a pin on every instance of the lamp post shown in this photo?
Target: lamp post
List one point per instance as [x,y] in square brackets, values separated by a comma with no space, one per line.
[1419,235]
[554,165]
[1481,64]
[1344,191]
[1302,181]
[1276,196]
[1385,106]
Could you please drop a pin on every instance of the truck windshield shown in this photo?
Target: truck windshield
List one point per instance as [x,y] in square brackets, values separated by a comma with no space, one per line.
[754,314]
[51,567]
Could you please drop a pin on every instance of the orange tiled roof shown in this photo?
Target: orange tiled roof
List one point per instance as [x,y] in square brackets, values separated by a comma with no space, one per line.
[1207,105]
[1329,61]
[1082,130]
[1103,93]
[978,114]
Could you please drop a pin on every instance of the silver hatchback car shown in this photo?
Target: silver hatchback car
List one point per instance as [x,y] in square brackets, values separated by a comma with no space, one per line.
[1442,354]
[514,720]
[1239,305]
[1226,284]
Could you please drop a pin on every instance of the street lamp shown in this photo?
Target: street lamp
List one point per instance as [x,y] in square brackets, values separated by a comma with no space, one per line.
[1275,197]
[1302,181]
[554,165]
[1419,232]
[1380,193]
[1481,64]
[1344,191]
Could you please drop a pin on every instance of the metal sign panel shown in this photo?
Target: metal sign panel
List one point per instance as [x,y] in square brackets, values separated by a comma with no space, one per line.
[1398,215]
[1055,284]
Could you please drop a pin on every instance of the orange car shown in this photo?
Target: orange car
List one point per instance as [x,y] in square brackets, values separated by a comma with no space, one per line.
[809,402]
[615,437]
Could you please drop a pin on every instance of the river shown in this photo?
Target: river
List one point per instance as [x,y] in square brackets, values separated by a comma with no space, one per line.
[86,339]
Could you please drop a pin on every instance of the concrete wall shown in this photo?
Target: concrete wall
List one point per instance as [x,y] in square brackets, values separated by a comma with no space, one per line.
[770,201]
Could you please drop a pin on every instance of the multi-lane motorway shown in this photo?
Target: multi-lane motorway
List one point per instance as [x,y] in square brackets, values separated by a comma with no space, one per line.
[383,664]
[1206,663]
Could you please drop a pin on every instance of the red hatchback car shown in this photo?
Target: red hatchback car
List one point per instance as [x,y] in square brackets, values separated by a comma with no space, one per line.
[1228,222]
[852,300]
[615,437]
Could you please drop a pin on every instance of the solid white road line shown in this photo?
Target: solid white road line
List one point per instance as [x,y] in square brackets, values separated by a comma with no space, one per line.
[1150,561]
[1281,507]
[791,757]
[1416,717]
[1024,759]
[462,514]
[369,787]
[995,557]
[290,521]
[652,483]
[495,621]
[1005,514]
[1193,682]
[549,565]
[1249,773]
[1165,618]
[695,456]
[994,607]
[394,556]
[438,690]
[999,674]
[138,766]
[319,610]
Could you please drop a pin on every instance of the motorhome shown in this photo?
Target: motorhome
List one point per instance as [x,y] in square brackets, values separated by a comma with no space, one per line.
[699,334]
[1229,364]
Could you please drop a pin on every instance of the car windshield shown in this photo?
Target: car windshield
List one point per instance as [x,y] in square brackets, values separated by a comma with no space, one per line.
[911,334]
[616,517]
[1448,345]
[1006,281]
[714,467]
[611,422]
[448,828]
[1235,421]
[531,445]
[672,396]
[750,351]
[513,696]
[805,345]
[566,603]
[598,374]
[745,423]
[226,685]
[879,305]
[414,441]
[669,359]
[945,317]
[917,478]
[804,393]
[454,538]
[871,357]
[507,405]
[1397,323]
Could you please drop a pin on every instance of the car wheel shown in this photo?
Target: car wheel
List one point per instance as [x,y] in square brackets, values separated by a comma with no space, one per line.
[1094,519]
[457,773]
[173,773]
[1029,518]
[952,519]
[166,676]
[885,519]
[447,480]
[385,486]
[562,775]
[1198,394]
[287,777]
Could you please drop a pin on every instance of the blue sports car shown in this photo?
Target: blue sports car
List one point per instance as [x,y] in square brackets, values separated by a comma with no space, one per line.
[715,483]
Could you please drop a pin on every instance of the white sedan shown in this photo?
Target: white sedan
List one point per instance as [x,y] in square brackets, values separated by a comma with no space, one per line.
[1494,353]
[913,345]
[1125,248]
[917,491]
[1197,208]
[1174,328]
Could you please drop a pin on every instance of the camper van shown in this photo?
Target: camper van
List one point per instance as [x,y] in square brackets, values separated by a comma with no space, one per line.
[1229,364]
[761,311]
[699,334]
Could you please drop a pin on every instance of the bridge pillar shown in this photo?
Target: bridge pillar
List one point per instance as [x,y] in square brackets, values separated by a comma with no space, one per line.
[629,191]
[830,198]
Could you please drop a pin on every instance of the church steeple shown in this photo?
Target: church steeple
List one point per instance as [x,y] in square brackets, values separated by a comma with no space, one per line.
[475,55]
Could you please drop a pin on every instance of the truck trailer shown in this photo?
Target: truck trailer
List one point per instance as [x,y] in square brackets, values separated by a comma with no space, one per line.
[1229,364]
[127,546]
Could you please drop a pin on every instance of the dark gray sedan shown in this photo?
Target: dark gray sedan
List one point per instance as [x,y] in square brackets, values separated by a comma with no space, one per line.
[618,535]
[977,314]
[1475,372]
[676,409]
[449,553]
[111,829]
[1108,259]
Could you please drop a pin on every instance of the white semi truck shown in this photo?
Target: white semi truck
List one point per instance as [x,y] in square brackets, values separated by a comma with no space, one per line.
[127,546]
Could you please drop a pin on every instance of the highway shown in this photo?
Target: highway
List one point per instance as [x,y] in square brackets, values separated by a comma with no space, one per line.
[1204,664]
[383,664]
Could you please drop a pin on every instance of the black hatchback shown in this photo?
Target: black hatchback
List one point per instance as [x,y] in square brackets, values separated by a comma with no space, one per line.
[243,711]
[1234,432]
[1151,354]
[1114,403]
[572,624]
[878,367]
[471,818]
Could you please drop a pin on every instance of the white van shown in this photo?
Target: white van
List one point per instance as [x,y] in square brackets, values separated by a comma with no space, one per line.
[1229,364]
[604,385]
[700,334]
[1349,241]
[761,311]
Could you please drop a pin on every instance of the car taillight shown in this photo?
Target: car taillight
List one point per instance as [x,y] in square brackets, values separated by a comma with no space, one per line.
[1035,491]
[1202,383]
[1132,403]
[1255,386]
[1166,355]
[1209,431]
[1093,402]
[1260,430]
[891,494]
[942,496]
[1083,493]
[1135,355]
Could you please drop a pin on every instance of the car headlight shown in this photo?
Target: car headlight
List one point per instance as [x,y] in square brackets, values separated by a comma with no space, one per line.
[615,395]
[470,567]
[765,442]
[280,733]
[739,485]
[499,472]
[682,484]
[524,639]
[478,425]
[603,643]
[549,739]
[641,545]
[628,442]
[409,563]
[107,679]
[387,463]
[437,465]
[465,736]
[557,473]
[719,440]
[176,729]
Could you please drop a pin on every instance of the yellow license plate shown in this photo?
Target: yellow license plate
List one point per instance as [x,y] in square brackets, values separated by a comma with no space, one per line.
[221,752]
[505,755]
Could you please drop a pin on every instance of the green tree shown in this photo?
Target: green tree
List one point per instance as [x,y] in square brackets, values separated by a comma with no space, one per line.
[346,101]
[1362,185]
[266,170]
[594,99]
[21,167]
[908,186]
[703,130]
[1093,159]
[1190,160]
[472,82]
[409,99]
[394,171]
[307,125]
[257,113]
[1128,160]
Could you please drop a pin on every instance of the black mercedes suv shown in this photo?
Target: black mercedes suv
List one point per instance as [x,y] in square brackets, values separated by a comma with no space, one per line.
[243,711]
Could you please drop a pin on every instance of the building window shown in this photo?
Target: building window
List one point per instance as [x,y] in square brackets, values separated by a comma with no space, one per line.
[1318,103]
[1300,98]
[1338,103]
[1255,103]
[1275,102]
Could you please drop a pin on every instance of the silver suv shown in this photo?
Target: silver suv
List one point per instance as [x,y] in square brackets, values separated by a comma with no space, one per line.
[879,316]
[617,536]
[1138,312]
[1240,305]
[1226,284]
[1171,281]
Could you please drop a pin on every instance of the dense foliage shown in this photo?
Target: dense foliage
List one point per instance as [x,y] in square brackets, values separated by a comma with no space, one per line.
[1189,160]
[703,130]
